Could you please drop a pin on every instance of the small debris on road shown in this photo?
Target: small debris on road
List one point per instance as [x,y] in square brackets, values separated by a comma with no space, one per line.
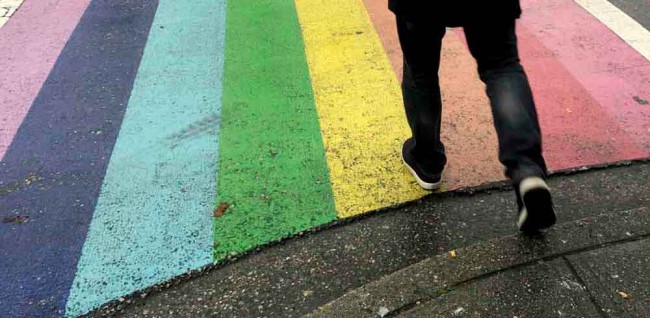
[16,219]
[623,295]
[221,210]
[640,100]
[452,254]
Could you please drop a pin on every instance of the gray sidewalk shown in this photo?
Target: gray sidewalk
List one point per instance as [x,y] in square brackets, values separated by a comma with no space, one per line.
[392,258]
[588,268]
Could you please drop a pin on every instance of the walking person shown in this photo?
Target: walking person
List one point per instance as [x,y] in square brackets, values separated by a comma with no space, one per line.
[489,27]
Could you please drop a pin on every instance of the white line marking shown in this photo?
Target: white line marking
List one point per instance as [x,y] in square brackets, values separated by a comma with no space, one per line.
[633,33]
[7,9]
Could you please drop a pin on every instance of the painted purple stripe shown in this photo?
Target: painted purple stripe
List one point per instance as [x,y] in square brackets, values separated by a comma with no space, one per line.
[29,46]
[53,170]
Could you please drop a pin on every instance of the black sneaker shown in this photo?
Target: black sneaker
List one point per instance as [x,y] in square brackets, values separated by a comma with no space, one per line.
[536,211]
[425,178]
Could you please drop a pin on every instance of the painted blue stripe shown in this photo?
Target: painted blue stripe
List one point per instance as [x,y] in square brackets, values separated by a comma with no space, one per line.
[54,168]
[153,220]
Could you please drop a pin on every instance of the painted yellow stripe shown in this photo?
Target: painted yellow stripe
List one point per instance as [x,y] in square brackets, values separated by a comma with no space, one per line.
[359,105]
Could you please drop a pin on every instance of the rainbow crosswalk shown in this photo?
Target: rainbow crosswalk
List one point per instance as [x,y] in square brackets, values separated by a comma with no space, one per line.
[125,124]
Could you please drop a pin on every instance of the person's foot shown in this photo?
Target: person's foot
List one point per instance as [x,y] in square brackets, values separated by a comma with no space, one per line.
[427,178]
[536,211]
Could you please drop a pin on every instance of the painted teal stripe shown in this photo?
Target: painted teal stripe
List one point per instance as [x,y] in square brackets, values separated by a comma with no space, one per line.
[153,218]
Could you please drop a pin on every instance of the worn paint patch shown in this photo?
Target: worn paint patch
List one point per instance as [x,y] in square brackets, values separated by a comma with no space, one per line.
[272,164]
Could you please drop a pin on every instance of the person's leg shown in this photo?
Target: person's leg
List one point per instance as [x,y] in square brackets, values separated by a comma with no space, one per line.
[424,153]
[494,46]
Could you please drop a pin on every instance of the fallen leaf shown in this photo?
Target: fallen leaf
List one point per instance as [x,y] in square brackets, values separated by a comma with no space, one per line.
[15,219]
[221,210]
[307,293]
[623,295]
[452,254]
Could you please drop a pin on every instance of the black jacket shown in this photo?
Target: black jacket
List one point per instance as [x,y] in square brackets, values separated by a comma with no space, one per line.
[457,12]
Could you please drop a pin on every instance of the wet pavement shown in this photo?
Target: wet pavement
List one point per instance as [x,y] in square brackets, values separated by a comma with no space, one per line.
[302,274]
[561,273]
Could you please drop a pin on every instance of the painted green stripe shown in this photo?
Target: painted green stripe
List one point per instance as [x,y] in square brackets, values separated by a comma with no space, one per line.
[273,171]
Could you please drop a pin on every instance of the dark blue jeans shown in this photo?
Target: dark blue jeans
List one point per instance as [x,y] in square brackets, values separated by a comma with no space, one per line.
[494,46]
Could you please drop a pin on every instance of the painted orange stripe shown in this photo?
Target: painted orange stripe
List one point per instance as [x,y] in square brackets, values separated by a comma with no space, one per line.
[467,127]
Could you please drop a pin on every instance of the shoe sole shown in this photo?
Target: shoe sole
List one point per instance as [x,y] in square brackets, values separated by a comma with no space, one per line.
[538,212]
[425,185]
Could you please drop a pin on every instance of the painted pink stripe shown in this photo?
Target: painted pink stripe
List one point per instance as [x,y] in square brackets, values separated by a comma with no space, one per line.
[30,43]
[578,131]
[611,71]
